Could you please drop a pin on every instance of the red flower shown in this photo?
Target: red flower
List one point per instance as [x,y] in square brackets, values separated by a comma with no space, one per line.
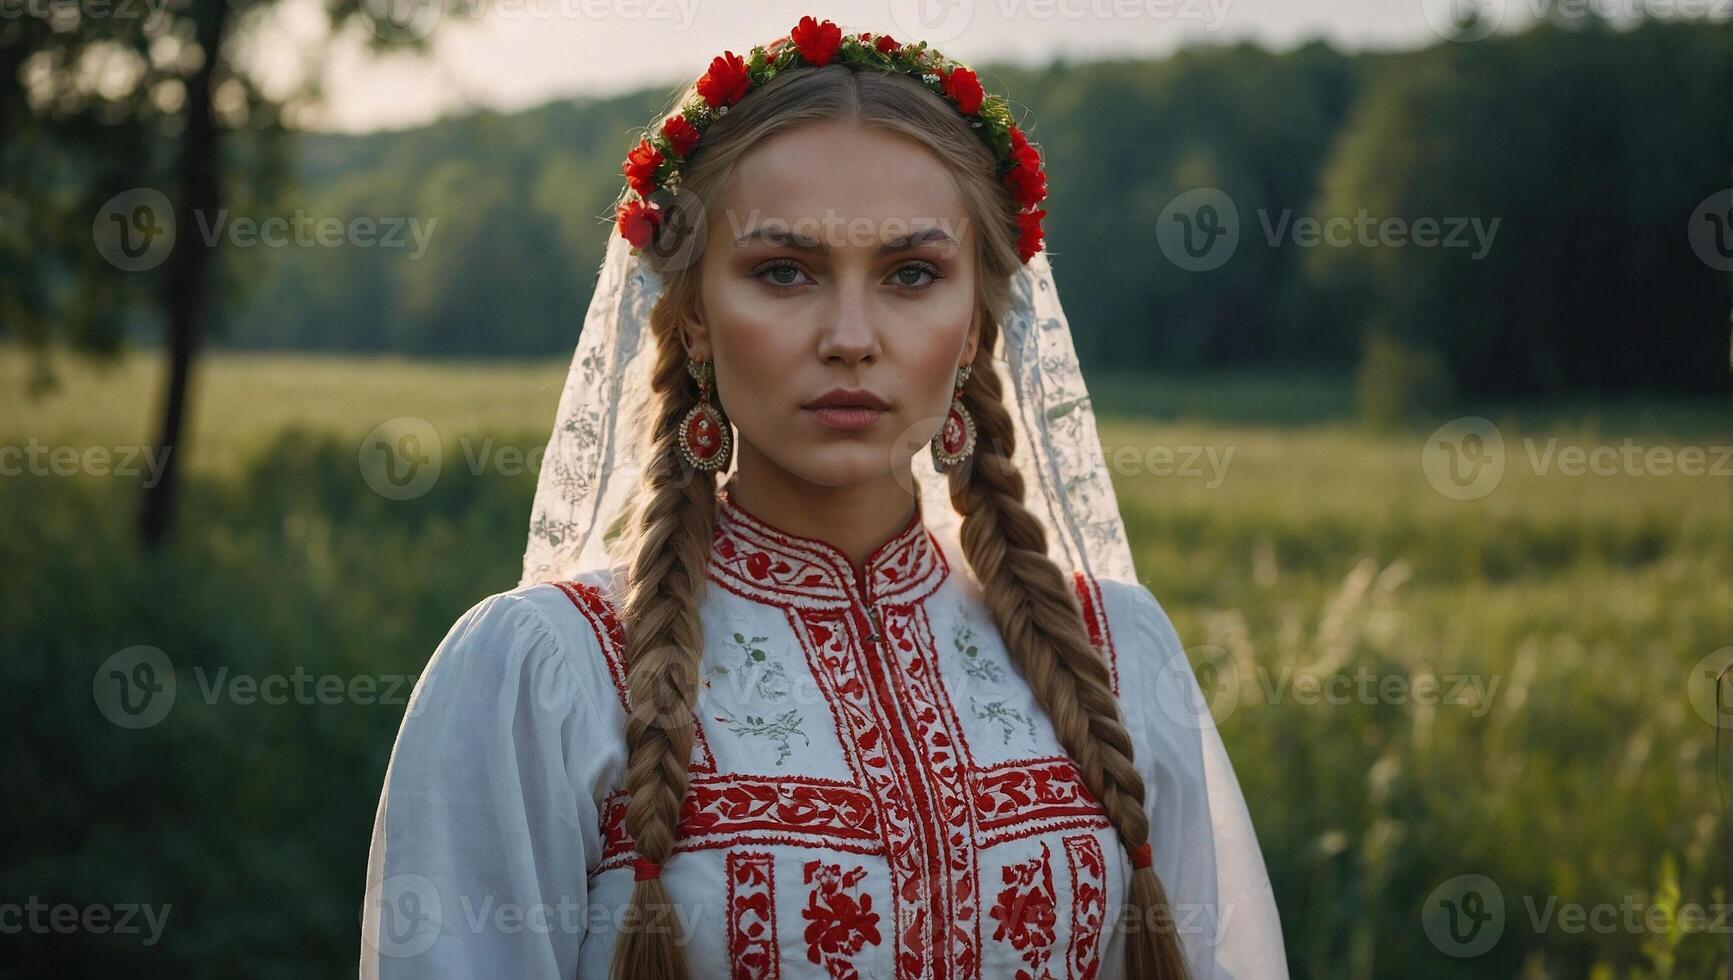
[726,81]
[637,222]
[886,44]
[839,923]
[1029,233]
[1028,185]
[640,167]
[817,40]
[1022,152]
[681,134]
[964,89]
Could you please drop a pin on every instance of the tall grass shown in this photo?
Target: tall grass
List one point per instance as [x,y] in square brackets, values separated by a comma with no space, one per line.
[1307,550]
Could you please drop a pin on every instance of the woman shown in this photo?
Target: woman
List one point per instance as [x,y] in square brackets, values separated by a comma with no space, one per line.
[808,716]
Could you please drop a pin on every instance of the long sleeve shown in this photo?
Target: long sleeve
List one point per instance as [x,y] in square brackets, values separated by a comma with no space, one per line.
[1205,848]
[477,866]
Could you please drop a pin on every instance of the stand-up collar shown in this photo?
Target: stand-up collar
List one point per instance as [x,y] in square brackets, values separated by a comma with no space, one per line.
[762,561]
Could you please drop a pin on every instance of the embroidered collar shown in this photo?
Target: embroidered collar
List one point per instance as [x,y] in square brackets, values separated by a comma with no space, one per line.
[764,562]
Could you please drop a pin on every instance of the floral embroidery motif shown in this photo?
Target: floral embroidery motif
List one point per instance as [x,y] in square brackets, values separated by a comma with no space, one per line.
[839,923]
[1088,904]
[768,678]
[976,666]
[778,730]
[1025,912]
[1006,717]
[752,917]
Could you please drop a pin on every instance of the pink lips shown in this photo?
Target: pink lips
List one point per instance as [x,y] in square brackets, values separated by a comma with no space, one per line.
[848,419]
[847,409]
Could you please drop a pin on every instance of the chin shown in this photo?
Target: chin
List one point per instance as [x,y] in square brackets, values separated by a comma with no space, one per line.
[843,465]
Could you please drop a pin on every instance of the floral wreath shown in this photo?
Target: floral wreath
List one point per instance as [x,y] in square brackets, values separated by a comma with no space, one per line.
[655,162]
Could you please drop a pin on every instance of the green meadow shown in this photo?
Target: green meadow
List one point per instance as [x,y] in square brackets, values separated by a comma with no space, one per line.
[1414,688]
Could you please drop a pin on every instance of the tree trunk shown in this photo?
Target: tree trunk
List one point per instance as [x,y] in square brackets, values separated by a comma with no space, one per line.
[188,271]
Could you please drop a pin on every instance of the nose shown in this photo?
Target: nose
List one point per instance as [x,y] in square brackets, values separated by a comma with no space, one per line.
[850,335]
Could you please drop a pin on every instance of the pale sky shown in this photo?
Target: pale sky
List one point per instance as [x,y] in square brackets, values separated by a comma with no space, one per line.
[511,54]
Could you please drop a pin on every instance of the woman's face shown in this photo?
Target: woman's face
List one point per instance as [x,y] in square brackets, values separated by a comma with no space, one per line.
[838,257]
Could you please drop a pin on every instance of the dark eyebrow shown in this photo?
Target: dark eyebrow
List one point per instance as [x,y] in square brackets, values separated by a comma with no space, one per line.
[931,235]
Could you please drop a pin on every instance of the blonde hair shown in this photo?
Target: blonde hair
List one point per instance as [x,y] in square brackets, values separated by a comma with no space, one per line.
[1031,600]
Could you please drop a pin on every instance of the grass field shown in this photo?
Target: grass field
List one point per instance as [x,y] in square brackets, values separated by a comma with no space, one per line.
[1321,578]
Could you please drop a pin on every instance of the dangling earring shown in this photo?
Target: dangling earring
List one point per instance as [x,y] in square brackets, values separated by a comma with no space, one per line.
[956,438]
[704,436]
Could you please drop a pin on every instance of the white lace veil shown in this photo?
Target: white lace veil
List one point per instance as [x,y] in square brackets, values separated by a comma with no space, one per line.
[592,466]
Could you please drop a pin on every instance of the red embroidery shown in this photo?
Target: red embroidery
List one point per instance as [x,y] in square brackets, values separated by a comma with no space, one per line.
[726,811]
[1089,595]
[881,761]
[611,636]
[915,797]
[752,916]
[929,735]
[1023,796]
[1025,913]
[839,922]
[1088,904]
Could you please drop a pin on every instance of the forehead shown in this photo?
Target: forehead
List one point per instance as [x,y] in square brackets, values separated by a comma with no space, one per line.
[844,170]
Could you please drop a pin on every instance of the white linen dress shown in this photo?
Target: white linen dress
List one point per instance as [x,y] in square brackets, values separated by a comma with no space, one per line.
[874,791]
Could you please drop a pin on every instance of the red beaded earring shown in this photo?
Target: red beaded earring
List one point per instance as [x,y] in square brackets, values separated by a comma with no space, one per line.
[956,438]
[704,437]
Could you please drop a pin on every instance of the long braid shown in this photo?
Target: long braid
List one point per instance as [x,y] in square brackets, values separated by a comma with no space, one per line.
[1041,623]
[664,643]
